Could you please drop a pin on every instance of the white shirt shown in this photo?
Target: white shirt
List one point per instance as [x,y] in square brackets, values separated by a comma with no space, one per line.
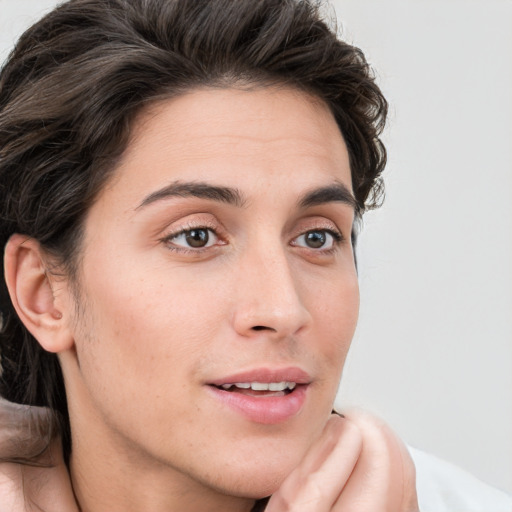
[443,487]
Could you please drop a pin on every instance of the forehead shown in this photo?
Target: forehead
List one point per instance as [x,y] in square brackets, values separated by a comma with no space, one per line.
[244,108]
[233,136]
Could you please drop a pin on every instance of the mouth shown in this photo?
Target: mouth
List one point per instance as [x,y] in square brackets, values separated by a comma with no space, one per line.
[260,389]
[264,396]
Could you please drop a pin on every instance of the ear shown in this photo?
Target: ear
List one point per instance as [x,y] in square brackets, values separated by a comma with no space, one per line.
[39,299]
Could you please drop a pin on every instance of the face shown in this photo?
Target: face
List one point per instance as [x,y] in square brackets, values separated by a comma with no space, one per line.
[218,291]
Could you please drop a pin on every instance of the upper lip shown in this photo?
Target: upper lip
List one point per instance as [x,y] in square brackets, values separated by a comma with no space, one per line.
[289,374]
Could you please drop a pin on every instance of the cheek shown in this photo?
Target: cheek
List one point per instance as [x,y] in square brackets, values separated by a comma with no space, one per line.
[336,315]
[336,308]
[141,331]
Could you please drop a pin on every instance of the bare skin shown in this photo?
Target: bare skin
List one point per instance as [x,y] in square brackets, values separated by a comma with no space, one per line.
[358,463]
[219,254]
[25,488]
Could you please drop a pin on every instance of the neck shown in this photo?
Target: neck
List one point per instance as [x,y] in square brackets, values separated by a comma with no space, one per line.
[121,482]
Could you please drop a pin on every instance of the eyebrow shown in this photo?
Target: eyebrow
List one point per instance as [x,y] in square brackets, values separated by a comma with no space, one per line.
[335,193]
[196,189]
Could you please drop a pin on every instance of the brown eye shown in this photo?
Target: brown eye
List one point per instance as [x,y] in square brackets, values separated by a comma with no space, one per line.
[318,239]
[197,237]
[315,239]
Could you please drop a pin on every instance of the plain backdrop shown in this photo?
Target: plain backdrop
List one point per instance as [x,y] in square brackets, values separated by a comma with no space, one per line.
[433,350]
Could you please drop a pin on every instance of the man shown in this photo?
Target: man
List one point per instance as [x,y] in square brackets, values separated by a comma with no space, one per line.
[180,183]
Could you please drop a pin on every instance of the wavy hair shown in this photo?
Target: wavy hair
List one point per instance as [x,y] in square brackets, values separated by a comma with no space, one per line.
[76,80]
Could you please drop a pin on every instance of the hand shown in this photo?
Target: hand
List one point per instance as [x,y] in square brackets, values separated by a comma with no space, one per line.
[24,432]
[357,464]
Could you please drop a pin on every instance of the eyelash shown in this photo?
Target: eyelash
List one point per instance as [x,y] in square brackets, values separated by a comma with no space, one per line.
[337,236]
[167,240]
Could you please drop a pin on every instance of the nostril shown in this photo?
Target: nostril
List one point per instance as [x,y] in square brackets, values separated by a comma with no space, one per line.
[262,328]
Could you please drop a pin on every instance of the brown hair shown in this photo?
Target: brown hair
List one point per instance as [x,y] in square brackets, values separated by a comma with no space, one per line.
[74,83]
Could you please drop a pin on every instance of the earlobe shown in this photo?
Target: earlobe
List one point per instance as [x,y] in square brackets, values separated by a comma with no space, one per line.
[32,294]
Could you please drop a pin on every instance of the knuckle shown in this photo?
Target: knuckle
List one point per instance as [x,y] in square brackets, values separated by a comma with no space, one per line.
[303,498]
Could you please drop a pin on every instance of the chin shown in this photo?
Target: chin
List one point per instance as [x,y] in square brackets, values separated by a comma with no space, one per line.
[267,461]
[260,473]
[255,484]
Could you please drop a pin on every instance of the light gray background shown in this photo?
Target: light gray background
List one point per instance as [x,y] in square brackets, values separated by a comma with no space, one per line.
[433,351]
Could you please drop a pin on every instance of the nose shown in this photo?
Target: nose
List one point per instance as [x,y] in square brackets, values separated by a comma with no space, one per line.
[268,297]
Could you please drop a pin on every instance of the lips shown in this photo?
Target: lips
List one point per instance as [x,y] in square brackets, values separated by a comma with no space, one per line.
[265,375]
[263,395]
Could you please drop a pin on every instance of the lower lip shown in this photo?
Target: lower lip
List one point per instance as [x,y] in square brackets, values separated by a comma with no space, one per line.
[261,409]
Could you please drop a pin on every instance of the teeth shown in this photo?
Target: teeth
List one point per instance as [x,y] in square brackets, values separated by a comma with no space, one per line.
[259,386]
[277,386]
[262,386]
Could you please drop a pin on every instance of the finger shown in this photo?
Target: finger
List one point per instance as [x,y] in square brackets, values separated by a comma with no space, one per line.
[318,480]
[384,476]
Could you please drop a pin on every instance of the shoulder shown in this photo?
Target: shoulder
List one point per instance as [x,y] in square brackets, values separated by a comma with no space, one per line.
[443,487]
